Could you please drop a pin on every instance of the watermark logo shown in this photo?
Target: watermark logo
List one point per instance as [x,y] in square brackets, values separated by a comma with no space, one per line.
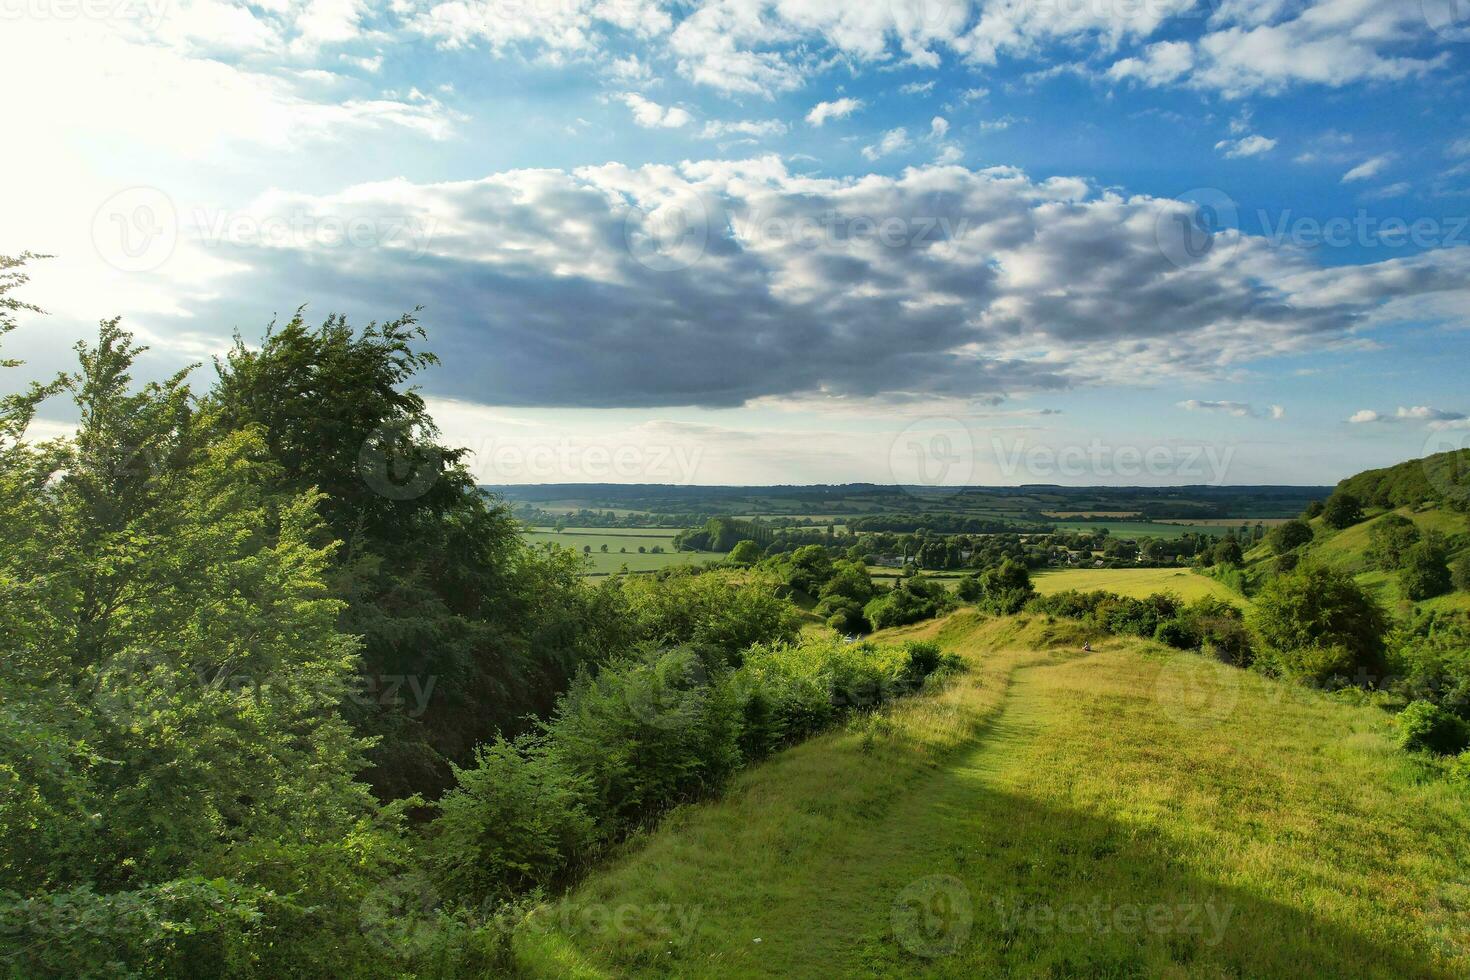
[933,916]
[1207,920]
[396,466]
[660,694]
[1450,19]
[136,230]
[399,915]
[933,457]
[127,688]
[1194,692]
[1174,462]
[1450,478]
[671,236]
[148,13]
[1202,224]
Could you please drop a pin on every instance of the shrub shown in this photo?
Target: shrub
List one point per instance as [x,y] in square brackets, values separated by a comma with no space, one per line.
[1431,656]
[1425,572]
[1314,509]
[911,601]
[1177,633]
[1313,609]
[1426,726]
[514,822]
[647,733]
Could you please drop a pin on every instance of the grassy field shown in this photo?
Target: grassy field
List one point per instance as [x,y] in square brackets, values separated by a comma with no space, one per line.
[1136,582]
[622,547]
[1124,813]
[1149,529]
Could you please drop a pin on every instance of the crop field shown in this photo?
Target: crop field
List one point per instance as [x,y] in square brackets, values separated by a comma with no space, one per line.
[622,546]
[1145,528]
[1136,582]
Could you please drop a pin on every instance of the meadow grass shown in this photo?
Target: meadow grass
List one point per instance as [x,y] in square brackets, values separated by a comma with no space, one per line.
[1129,812]
[1136,582]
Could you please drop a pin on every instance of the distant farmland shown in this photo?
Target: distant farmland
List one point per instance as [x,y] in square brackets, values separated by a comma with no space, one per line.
[622,547]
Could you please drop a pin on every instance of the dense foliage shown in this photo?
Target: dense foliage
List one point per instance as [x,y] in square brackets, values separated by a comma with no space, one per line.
[1318,623]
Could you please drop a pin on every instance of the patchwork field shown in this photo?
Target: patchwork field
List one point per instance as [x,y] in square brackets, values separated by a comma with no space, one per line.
[1136,582]
[1049,813]
[1149,529]
[622,546]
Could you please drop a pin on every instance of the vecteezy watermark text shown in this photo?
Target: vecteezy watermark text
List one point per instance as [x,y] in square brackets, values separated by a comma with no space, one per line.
[1205,463]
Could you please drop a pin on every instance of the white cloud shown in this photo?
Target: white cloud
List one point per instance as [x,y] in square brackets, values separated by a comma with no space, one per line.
[651,115]
[917,88]
[1240,410]
[1249,146]
[938,127]
[837,109]
[949,153]
[1367,170]
[1159,64]
[893,141]
[1389,191]
[719,129]
[1433,417]
[1459,148]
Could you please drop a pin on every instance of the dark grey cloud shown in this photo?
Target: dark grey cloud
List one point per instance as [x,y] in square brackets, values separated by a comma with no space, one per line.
[716,283]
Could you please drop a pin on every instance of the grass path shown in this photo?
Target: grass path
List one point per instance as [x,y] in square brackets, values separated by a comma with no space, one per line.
[1054,814]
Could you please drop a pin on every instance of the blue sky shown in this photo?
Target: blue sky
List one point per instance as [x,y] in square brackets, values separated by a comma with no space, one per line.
[787,241]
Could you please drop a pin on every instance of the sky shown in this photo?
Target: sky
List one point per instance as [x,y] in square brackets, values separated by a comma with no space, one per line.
[929,242]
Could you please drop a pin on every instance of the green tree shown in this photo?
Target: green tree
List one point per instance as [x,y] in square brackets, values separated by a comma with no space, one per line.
[1288,536]
[746,552]
[1460,572]
[1342,510]
[435,575]
[1319,623]
[1227,552]
[1389,539]
[171,745]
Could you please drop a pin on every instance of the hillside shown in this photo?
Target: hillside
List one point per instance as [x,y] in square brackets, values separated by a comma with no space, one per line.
[1349,550]
[1124,812]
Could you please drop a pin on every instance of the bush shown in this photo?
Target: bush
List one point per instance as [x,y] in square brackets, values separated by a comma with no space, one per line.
[1426,726]
[1431,657]
[1177,633]
[911,601]
[1425,572]
[1313,609]
[1314,509]
[515,821]
[647,733]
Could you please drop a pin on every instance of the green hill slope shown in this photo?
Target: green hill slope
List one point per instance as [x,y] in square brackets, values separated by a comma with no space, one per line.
[1123,812]
[1349,550]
